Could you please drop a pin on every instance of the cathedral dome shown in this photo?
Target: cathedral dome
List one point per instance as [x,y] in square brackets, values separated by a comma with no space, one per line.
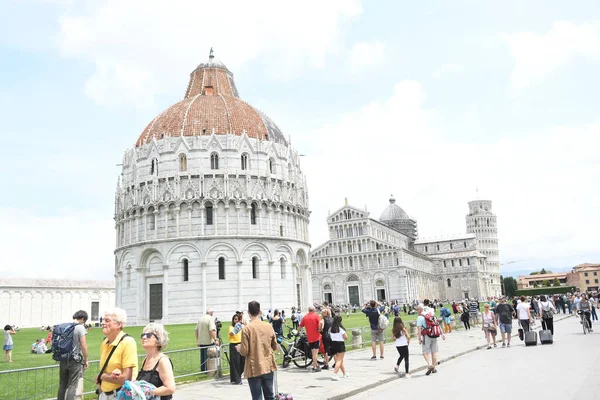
[211,105]
[393,212]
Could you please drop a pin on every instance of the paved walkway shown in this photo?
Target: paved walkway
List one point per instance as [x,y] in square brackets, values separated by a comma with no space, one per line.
[364,373]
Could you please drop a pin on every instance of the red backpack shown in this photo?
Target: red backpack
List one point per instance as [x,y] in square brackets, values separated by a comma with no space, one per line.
[433,329]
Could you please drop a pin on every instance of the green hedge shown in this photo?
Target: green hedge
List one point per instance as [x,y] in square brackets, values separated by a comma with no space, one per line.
[545,290]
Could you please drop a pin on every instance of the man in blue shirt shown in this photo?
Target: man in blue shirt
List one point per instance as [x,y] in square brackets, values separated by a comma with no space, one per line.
[372,311]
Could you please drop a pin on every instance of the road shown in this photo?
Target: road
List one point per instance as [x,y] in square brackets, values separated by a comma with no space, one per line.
[567,369]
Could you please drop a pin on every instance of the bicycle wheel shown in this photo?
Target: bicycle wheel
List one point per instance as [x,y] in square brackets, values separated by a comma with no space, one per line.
[300,360]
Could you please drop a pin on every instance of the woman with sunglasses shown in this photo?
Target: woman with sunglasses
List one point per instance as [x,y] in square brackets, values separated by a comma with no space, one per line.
[489,326]
[157,368]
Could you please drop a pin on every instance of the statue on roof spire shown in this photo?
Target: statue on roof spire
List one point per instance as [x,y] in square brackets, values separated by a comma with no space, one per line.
[211,55]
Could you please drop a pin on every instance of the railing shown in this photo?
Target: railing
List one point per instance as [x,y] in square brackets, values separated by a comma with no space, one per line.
[42,382]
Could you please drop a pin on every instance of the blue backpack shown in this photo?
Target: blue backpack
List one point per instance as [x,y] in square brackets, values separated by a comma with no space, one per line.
[62,341]
[444,312]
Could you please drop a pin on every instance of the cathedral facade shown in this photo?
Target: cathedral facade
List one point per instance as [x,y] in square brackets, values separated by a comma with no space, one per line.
[383,259]
[211,210]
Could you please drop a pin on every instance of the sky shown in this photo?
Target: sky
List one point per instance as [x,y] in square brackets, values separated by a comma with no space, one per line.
[435,102]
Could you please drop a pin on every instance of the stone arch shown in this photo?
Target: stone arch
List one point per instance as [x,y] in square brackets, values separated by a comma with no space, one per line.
[219,251]
[147,254]
[259,245]
[185,255]
[127,253]
[301,257]
[352,278]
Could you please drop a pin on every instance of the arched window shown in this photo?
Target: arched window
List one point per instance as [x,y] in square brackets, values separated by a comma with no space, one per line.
[253,214]
[379,282]
[449,282]
[272,165]
[254,267]
[222,268]
[451,247]
[475,222]
[282,265]
[290,171]
[182,162]
[214,161]
[209,214]
[151,219]
[327,286]
[350,262]
[465,245]
[154,167]
[281,230]
[244,161]
[186,276]
[444,263]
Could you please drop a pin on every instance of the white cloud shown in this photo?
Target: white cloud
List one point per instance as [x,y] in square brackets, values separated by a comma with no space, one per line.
[77,245]
[132,43]
[538,56]
[365,55]
[448,69]
[542,184]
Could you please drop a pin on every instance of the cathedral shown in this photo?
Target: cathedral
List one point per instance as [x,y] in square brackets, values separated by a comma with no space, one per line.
[385,260]
[211,210]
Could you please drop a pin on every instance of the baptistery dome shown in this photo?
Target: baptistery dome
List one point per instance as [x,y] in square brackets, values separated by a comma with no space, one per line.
[211,210]
[211,105]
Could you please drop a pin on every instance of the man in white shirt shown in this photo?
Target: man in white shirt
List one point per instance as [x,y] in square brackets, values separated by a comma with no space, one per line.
[594,302]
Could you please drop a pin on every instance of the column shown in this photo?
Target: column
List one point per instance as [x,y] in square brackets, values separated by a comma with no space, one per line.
[118,289]
[141,298]
[269,217]
[165,294]
[237,213]
[227,219]
[272,303]
[155,214]
[145,217]
[177,210]
[240,286]
[190,233]
[137,227]
[294,282]
[204,305]
[167,212]
[202,215]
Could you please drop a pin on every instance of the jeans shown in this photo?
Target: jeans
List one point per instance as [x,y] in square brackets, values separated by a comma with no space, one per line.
[69,374]
[594,315]
[262,386]
[204,356]
[524,324]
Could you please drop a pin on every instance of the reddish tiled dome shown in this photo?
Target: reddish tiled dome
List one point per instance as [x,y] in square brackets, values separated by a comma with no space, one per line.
[211,104]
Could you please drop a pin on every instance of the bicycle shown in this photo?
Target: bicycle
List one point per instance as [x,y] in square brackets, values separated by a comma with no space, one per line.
[295,350]
[584,322]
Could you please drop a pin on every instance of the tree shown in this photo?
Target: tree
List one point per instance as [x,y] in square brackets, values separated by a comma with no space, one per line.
[556,282]
[546,283]
[509,286]
[535,285]
[543,271]
[534,273]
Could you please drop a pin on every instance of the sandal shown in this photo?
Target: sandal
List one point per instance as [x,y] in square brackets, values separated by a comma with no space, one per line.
[429,370]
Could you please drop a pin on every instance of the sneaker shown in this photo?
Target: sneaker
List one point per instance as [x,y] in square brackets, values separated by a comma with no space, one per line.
[346,376]
[429,370]
[374,358]
[381,357]
[434,370]
[396,368]
[508,344]
[495,345]
[325,367]
[503,344]
[489,347]
[316,369]
[334,377]
[407,376]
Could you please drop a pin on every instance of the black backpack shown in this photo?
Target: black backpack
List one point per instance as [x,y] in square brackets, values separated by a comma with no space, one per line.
[62,341]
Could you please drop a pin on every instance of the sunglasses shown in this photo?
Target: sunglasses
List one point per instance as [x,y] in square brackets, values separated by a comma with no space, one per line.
[147,335]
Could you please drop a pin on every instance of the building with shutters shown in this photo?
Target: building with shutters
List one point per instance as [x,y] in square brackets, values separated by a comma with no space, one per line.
[211,210]
[383,259]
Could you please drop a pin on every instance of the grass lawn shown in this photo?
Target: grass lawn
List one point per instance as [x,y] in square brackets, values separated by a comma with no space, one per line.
[181,336]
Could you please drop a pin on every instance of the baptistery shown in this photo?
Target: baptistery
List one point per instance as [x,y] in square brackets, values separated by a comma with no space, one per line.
[211,210]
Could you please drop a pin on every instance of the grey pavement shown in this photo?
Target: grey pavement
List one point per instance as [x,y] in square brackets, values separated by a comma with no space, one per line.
[567,369]
[366,375]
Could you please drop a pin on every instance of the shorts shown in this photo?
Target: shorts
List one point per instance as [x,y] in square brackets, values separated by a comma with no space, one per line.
[376,336]
[430,345]
[314,345]
[506,328]
[337,347]
[7,347]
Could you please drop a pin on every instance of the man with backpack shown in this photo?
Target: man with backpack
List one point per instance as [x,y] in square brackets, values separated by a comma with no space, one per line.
[428,331]
[69,347]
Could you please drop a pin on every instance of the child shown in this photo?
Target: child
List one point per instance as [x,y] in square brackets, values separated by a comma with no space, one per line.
[400,335]
[338,347]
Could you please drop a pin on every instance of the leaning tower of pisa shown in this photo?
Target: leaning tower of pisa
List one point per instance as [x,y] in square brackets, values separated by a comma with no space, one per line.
[481,222]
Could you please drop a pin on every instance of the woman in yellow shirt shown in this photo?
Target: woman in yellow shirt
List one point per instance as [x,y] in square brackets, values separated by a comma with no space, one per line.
[236,360]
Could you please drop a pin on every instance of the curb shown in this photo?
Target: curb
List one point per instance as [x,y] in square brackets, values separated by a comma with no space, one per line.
[393,378]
